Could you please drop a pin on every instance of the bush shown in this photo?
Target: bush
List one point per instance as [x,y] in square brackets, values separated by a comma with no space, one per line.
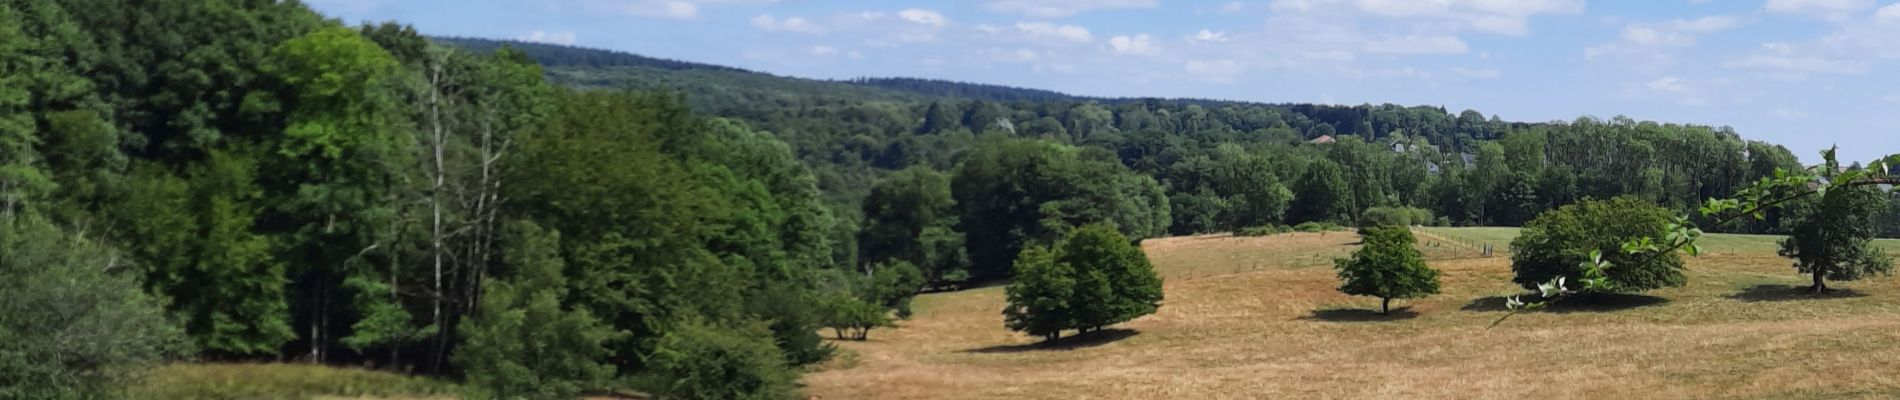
[795,317]
[522,343]
[1310,227]
[73,323]
[1559,241]
[892,285]
[194,381]
[1266,230]
[1387,267]
[1394,216]
[1093,279]
[696,360]
[851,317]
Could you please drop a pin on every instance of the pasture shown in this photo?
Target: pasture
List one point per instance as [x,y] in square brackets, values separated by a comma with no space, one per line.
[1260,318]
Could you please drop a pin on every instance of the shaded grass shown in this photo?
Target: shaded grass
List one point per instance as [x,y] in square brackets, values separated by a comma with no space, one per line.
[1713,243]
[1081,341]
[1361,315]
[284,381]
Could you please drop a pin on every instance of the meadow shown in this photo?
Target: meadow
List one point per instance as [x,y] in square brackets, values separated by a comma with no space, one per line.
[1260,318]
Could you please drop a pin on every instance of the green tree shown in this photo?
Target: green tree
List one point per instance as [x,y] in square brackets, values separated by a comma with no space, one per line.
[74,324]
[1832,236]
[1387,267]
[1099,253]
[910,216]
[524,341]
[1322,195]
[696,360]
[1039,297]
[1016,192]
[851,317]
[1558,243]
[1092,279]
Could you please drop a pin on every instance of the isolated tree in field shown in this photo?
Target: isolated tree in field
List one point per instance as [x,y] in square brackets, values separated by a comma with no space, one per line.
[1559,242]
[1093,279]
[1039,296]
[1100,254]
[1832,236]
[1387,267]
[851,317]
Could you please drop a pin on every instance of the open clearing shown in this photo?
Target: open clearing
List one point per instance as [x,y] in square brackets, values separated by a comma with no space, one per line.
[1259,318]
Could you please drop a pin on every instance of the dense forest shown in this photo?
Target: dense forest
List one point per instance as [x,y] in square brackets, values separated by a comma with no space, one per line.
[263,183]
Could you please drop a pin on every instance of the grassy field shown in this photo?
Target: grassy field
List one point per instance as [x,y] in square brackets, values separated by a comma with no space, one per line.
[213,381]
[1260,318]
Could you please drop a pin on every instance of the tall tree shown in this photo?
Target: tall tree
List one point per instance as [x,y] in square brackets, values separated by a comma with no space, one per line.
[1322,195]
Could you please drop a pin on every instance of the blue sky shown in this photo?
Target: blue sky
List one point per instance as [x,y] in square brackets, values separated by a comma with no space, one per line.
[1803,73]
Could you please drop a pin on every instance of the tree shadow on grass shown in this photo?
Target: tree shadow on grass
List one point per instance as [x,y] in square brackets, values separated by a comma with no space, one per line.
[1594,303]
[1360,315]
[1777,292]
[1082,341]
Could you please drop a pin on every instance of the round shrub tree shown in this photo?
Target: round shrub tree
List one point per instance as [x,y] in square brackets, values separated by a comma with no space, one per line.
[1558,242]
[1093,279]
[1388,267]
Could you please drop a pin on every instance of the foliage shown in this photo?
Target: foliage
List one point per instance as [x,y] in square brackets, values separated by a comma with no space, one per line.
[1833,234]
[523,342]
[911,217]
[1556,243]
[851,317]
[1263,230]
[75,324]
[696,360]
[1092,279]
[1394,216]
[1387,267]
[1015,192]
[1315,227]
[893,285]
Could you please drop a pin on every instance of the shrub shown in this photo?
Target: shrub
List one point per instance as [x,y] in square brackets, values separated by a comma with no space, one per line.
[522,343]
[1394,216]
[1387,267]
[73,323]
[696,360]
[851,317]
[795,317]
[1311,227]
[1559,241]
[1266,230]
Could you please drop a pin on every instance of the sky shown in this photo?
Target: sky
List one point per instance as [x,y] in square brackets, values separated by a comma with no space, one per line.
[1807,74]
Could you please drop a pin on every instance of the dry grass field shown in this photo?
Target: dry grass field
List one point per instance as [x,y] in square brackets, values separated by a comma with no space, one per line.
[1249,318]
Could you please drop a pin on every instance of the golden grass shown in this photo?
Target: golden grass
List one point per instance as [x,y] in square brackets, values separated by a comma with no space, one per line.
[1260,318]
[285,381]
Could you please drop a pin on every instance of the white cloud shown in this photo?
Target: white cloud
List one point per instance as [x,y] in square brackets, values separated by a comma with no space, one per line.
[560,37]
[1209,36]
[1223,71]
[1889,13]
[1797,64]
[1649,36]
[1487,73]
[1138,45]
[673,9]
[1234,7]
[1438,44]
[1829,9]
[1788,113]
[1708,24]
[1503,17]
[1045,30]
[793,24]
[922,16]
[822,50]
[1667,84]
[1062,8]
